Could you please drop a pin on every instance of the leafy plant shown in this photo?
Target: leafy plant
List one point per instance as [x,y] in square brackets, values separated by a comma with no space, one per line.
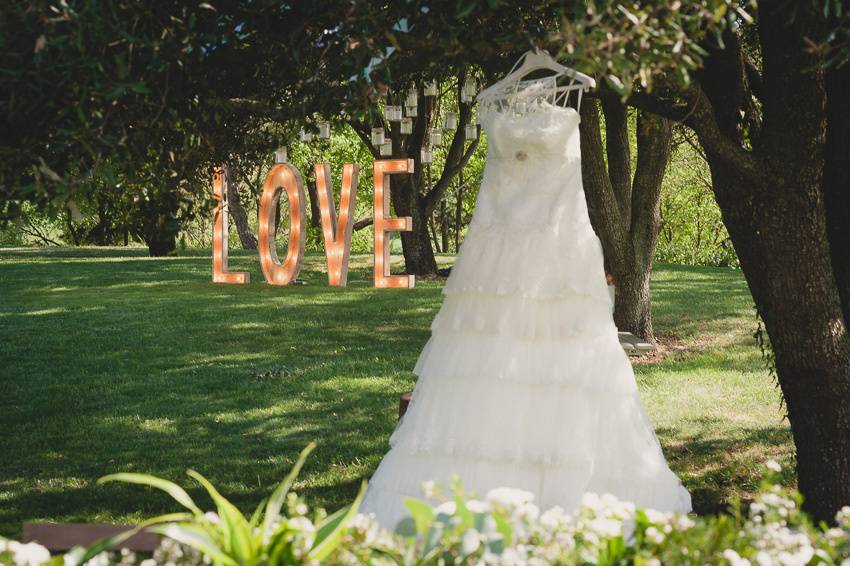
[271,536]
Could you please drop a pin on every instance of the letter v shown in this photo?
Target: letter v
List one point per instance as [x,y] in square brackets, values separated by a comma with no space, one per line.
[337,231]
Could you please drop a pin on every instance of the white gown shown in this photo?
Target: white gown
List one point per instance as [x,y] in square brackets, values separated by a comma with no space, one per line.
[523,383]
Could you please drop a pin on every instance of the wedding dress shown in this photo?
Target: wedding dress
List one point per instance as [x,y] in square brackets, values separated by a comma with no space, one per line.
[523,382]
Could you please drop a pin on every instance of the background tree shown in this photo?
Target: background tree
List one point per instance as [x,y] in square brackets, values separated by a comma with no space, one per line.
[624,202]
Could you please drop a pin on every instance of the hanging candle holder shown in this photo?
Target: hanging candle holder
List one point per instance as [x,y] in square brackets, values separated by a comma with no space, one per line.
[450,122]
[521,107]
[412,97]
[426,155]
[435,136]
[411,111]
[431,89]
[324,129]
[471,132]
[387,148]
[392,113]
[377,136]
[406,126]
[281,155]
[305,136]
[469,90]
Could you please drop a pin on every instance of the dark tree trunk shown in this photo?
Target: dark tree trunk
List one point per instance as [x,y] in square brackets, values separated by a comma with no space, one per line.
[625,211]
[772,200]
[444,227]
[315,215]
[836,181]
[162,244]
[234,207]
[459,210]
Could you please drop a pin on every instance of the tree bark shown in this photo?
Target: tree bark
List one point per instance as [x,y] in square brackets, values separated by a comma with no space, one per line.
[836,182]
[772,200]
[625,211]
[234,207]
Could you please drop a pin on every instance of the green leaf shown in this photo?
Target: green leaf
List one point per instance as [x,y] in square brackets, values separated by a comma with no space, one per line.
[171,488]
[466,516]
[237,532]
[106,543]
[195,536]
[504,528]
[278,496]
[331,530]
[421,512]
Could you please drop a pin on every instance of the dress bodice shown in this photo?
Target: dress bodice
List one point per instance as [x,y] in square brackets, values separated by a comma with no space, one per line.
[544,132]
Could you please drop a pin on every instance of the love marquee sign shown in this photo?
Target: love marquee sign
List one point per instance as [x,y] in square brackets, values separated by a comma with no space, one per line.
[284,178]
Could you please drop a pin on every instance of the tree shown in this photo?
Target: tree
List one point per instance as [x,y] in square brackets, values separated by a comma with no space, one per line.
[775,136]
[412,196]
[624,208]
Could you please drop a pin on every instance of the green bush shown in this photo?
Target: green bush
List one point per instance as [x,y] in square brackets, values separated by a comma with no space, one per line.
[505,527]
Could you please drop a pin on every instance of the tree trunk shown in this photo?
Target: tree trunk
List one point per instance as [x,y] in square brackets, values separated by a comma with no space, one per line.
[312,192]
[772,201]
[836,181]
[234,207]
[419,258]
[162,244]
[625,211]
[459,210]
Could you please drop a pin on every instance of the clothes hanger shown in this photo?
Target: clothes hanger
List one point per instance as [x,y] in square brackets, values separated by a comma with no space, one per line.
[535,60]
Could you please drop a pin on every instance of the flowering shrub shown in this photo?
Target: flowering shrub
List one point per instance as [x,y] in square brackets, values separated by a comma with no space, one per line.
[503,527]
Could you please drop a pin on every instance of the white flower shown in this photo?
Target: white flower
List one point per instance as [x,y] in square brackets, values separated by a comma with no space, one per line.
[429,488]
[553,518]
[509,497]
[763,559]
[654,535]
[477,506]
[212,517]
[447,508]
[734,559]
[148,562]
[773,466]
[606,528]
[653,562]
[591,501]
[843,516]
[31,554]
[470,542]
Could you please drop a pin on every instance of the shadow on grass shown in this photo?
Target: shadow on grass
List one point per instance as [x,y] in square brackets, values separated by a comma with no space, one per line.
[717,464]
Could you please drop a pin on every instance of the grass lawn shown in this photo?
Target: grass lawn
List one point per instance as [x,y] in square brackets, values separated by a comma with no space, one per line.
[112,361]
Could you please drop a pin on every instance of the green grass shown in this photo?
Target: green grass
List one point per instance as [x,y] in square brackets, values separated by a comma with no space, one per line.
[112,361]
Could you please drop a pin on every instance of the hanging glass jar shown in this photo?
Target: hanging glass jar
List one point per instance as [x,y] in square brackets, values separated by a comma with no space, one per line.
[435,136]
[305,136]
[471,132]
[281,155]
[431,89]
[469,89]
[406,126]
[377,136]
[426,155]
[324,129]
[387,148]
[411,111]
[450,122]
[392,113]
[412,97]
